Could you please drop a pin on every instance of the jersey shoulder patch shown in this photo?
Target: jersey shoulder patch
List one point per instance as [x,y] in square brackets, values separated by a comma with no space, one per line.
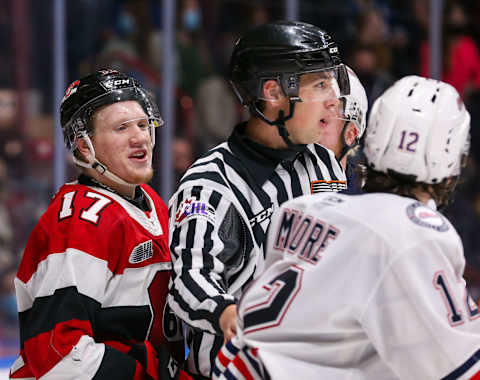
[192,208]
[424,216]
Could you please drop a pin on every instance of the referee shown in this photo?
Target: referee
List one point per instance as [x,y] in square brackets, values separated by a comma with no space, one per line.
[289,75]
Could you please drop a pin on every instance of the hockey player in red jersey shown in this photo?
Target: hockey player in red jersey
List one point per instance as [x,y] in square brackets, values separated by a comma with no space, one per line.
[92,283]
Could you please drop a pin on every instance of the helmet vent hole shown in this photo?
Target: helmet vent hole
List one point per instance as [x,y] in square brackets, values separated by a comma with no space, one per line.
[410,93]
[433,98]
[416,110]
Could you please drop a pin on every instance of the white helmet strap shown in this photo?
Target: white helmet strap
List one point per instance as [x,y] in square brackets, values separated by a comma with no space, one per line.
[102,169]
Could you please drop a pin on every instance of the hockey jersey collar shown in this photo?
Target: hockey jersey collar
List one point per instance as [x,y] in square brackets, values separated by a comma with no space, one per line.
[260,160]
[139,199]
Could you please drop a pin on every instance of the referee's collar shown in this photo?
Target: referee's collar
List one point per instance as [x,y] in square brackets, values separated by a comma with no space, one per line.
[260,160]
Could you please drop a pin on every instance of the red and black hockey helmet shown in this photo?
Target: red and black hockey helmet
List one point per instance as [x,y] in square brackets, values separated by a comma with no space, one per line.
[84,96]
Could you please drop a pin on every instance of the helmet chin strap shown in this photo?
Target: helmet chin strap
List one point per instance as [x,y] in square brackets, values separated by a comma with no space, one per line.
[279,122]
[102,169]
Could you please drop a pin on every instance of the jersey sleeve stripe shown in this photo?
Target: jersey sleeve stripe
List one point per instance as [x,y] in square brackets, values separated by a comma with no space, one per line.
[47,312]
[116,365]
[212,177]
[469,363]
[48,278]
[46,350]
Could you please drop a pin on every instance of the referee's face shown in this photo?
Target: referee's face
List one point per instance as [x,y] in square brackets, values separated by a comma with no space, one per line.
[317,109]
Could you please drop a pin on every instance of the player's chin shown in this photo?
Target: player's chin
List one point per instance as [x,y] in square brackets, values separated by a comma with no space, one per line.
[141,176]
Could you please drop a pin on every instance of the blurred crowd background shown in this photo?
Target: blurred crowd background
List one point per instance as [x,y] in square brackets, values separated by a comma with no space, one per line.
[381,40]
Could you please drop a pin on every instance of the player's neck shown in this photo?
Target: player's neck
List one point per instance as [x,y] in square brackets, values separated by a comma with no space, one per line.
[127,191]
[421,195]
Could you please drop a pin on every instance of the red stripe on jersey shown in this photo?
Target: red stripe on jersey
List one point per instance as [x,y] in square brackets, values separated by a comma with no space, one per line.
[152,361]
[242,367]
[139,372]
[120,346]
[223,359]
[45,350]
[476,376]
[182,375]
[22,372]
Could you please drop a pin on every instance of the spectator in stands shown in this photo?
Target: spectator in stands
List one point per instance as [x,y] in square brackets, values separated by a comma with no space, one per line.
[461,58]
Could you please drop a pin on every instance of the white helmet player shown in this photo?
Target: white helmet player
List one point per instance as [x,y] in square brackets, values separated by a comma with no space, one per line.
[419,128]
[355,105]
[354,110]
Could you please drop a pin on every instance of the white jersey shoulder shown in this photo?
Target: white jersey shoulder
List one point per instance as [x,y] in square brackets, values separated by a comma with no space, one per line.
[361,287]
[395,221]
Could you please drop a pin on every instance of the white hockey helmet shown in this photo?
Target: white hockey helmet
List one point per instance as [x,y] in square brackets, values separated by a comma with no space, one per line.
[355,105]
[418,128]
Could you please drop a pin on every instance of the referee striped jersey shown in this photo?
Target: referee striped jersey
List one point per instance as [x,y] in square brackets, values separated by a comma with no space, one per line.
[218,220]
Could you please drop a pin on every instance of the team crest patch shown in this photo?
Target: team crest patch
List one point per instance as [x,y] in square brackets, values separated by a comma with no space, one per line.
[322,186]
[191,208]
[424,216]
[141,252]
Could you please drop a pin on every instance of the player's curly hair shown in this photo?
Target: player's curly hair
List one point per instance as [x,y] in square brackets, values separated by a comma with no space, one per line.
[373,181]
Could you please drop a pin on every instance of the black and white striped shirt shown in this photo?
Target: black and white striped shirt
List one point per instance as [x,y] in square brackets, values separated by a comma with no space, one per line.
[218,221]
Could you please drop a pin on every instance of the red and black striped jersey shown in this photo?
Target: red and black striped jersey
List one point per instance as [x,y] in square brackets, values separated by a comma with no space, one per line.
[92,282]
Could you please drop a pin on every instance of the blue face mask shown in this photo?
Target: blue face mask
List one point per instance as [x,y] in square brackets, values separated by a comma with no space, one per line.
[192,19]
[8,306]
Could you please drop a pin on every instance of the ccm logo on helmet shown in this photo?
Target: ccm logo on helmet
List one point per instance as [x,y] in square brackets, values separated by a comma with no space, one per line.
[112,83]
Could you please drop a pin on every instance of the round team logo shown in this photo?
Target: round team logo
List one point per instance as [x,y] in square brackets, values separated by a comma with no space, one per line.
[424,216]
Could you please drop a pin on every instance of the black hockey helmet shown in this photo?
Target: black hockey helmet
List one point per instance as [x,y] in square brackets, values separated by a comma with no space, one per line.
[84,96]
[282,51]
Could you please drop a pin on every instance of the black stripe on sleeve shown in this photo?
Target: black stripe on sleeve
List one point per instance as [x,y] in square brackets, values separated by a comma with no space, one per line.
[115,365]
[195,347]
[471,361]
[189,281]
[66,304]
[46,312]
[216,346]
[178,200]
[211,176]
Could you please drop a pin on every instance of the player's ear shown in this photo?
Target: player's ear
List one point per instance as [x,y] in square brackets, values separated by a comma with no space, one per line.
[351,134]
[82,147]
[272,92]
[83,151]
